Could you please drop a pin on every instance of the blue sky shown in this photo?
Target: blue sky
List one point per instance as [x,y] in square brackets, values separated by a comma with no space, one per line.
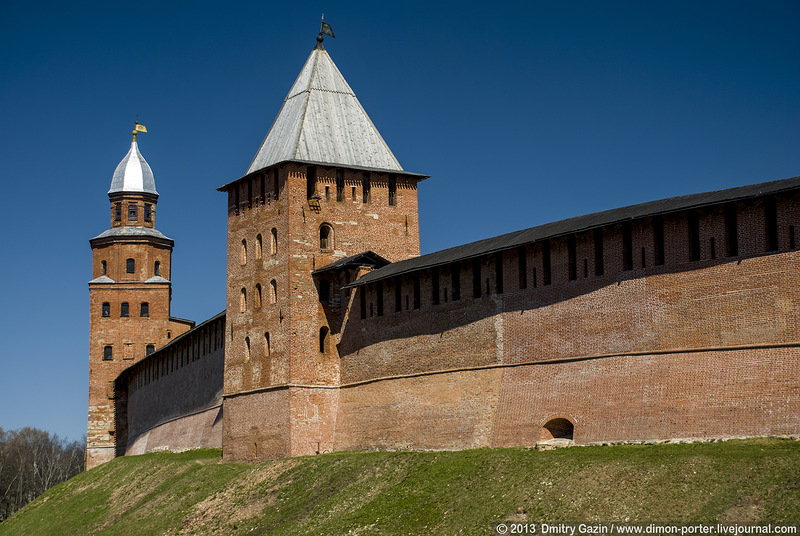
[522,113]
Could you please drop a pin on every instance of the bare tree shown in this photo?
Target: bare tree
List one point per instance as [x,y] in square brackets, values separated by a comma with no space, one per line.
[31,462]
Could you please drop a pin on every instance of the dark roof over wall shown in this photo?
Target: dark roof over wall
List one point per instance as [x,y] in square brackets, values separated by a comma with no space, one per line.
[368,258]
[579,224]
[173,342]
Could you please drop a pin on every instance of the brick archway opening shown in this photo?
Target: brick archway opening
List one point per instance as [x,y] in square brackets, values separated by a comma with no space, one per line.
[558,428]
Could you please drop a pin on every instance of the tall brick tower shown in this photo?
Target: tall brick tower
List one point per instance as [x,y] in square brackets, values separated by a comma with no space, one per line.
[129,295]
[323,188]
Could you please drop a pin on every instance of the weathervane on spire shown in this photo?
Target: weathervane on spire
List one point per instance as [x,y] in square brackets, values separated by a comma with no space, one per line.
[325,29]
[138,128]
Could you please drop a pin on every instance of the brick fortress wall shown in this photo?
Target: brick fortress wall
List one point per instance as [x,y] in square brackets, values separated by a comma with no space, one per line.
[685,348]
[173,398]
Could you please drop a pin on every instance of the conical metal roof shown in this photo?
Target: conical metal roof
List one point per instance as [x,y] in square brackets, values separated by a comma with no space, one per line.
[133,174]
[322,121]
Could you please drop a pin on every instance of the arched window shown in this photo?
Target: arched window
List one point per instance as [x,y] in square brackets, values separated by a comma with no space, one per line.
[258,246]
[247,348]
[157,268]
[243,300]
[243,252]
[323,339]
[273,292]
[130,266]
[124,309]
[325,237]
[257,297]
[150,349]
[108,354]
[103,267]
[266,344]
[145,310]
[273,243]
[106,309]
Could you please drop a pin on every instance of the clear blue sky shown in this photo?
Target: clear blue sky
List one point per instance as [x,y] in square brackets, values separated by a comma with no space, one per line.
[521,112]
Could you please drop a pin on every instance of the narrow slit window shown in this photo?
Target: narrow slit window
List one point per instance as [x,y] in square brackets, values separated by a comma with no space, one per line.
[267,348]
[103,267]
[546,272]
[572,258]
[598,252]
[273,242]
[498,272]
[731,231]
[366,188]
[242,300]
[398,294]
[311,181]
[323,339]
[435,286]
[379,297]
[157,268]
[455,280]
[627,246]
[392,190]
[658,241]
[771,223]
[148,212]
[694,236]
[273,291]
[243,252]
[259,246]
[476,278]
[117,211]
[339,185]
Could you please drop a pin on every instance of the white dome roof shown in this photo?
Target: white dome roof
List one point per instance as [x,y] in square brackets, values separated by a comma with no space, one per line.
[133,174]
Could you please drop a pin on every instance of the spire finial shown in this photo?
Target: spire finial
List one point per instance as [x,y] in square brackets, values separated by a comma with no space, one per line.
[138,128]
[325,29]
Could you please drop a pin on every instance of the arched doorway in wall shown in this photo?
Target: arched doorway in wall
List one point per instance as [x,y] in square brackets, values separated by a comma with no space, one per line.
[559,428]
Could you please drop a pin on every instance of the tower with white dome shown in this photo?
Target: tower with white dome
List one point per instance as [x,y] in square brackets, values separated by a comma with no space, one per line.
[129,295]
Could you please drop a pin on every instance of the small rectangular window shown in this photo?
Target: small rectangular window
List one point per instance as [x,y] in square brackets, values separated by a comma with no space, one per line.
[392,190]
[771,223]
[145,309]
[148,212]
[572,258]
[398,294]
[339,185]
[133,212]
[311,181]
[117,211]
[108,353]
[498,272]
[658,241]
[435,286]
[546,273]
[476,278]
[627,246]
[124,309]
[130,266]
[455,280]
[106,309]
[366,188]
[693,223]
[598,252]
[731,231]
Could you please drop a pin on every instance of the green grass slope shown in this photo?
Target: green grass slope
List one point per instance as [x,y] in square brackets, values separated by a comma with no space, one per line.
[406,493]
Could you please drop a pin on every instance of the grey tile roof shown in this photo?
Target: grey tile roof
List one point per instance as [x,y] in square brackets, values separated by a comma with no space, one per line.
[102,279]
[133,174]
[578,224]
[322,121]
[131,231]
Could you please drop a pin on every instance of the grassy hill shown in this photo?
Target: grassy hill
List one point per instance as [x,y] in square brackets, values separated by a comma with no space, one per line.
[404,493]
